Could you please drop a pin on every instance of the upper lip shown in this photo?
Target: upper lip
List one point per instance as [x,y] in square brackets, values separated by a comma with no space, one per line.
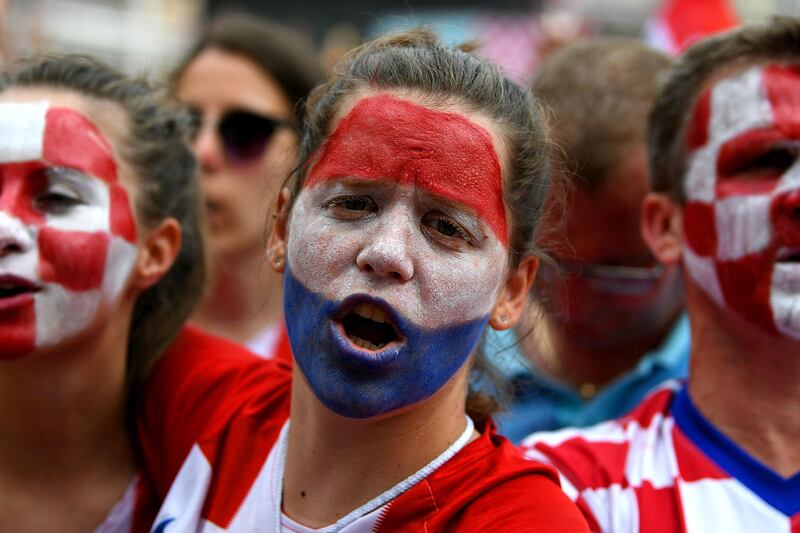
[352,301]
[11,281]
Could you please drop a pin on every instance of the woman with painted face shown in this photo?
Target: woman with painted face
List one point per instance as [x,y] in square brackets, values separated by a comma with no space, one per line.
[98,232]
[244,80]
[406,229]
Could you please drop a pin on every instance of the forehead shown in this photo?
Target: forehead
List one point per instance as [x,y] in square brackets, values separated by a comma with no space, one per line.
[217,80]
[443,152]
[54,133]
[758,97]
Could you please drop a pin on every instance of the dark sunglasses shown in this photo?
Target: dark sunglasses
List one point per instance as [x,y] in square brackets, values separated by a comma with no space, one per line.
[244,134]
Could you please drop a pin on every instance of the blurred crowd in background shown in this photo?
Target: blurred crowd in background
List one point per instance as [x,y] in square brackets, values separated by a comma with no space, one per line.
[154,34]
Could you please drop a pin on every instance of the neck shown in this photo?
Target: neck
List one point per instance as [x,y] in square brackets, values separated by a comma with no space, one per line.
[370,456]
[65,441]
[747,383]
[244,298]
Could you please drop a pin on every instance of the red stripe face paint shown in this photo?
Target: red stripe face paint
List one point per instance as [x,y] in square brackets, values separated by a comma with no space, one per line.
[742,217]
[66,225]
[446,154]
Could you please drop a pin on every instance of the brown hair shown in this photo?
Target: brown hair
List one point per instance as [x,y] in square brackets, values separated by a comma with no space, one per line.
[776,40]
[280,52]
[156,148]
[418,63]
[600,91]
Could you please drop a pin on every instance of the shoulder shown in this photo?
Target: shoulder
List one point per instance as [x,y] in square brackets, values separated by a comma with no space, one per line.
[492,487]
[530,502]
[607,467]
[200,386]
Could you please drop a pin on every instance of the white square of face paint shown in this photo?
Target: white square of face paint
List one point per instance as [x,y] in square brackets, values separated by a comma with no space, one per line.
[701,176]
[744,225]
[22,131]
[739,104]
[93,216]
[784,297]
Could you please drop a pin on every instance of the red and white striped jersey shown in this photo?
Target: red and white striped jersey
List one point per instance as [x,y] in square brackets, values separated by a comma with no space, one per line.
[665,468]
[213,414]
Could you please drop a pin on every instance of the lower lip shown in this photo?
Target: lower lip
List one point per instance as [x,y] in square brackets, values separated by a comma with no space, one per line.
[14,302]
[361,356]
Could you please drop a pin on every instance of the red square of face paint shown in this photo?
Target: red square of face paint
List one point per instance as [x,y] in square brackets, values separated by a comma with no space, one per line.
[71,140]
[73,259]
[446,154]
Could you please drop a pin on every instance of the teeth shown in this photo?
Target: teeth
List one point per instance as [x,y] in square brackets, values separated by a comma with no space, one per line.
[362,343]
[371,312]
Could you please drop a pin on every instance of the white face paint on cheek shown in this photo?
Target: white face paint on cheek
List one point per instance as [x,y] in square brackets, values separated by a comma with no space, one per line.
[445,287]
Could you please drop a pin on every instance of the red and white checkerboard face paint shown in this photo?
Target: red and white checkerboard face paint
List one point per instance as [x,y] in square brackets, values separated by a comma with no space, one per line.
[67,232]
[742,216]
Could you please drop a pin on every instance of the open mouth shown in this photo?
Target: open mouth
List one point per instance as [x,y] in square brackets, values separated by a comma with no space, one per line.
[788,255]
[369,327]
[12,286]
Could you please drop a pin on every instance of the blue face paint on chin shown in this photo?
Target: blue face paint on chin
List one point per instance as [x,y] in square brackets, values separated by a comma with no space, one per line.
[358,384]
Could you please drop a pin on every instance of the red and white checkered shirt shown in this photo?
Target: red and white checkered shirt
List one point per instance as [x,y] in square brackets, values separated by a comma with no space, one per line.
[664,467]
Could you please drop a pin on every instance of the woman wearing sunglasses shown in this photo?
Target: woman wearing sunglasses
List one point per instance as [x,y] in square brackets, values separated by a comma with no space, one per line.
[243,81]
[407,228]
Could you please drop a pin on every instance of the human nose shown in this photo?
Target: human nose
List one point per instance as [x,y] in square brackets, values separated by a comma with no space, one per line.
[14,237]
[387,255]
[208,148]
[786,218]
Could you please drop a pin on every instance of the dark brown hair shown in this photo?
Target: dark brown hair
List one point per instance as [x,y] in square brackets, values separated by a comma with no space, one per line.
[281,53]
[601,91]
[416,63]
[775,41]
[155,146]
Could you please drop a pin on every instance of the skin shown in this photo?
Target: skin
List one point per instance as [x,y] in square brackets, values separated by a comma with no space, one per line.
[388,254]
[598,335]
[65,456]
[743,376]
[243,297]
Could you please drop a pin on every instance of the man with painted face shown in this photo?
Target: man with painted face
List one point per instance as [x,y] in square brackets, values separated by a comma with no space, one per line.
[612,327]
[719,452]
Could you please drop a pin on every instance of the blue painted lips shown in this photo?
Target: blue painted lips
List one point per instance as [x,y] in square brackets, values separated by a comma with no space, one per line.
[360,383]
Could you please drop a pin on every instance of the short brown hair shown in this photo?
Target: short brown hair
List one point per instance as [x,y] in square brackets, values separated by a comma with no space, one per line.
[156,148]
[600,91]
[776,40]
[280,52]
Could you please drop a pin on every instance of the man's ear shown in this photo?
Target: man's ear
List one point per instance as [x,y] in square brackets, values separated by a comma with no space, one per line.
[158,253]
[513,295]
[276,246]
[662,227]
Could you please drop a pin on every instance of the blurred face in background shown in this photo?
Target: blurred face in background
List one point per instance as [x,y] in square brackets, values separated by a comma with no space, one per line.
[244,145]
[612,291]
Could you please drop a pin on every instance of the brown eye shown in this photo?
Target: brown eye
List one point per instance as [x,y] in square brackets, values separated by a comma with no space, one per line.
[445,231]
[445,227]
[352,207]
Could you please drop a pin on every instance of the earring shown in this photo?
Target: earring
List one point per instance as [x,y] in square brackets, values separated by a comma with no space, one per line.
[502,319]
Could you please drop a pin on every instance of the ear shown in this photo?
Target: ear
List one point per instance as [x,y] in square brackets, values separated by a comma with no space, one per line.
[158,253]
[513,295]
[662,227]
[276,246]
